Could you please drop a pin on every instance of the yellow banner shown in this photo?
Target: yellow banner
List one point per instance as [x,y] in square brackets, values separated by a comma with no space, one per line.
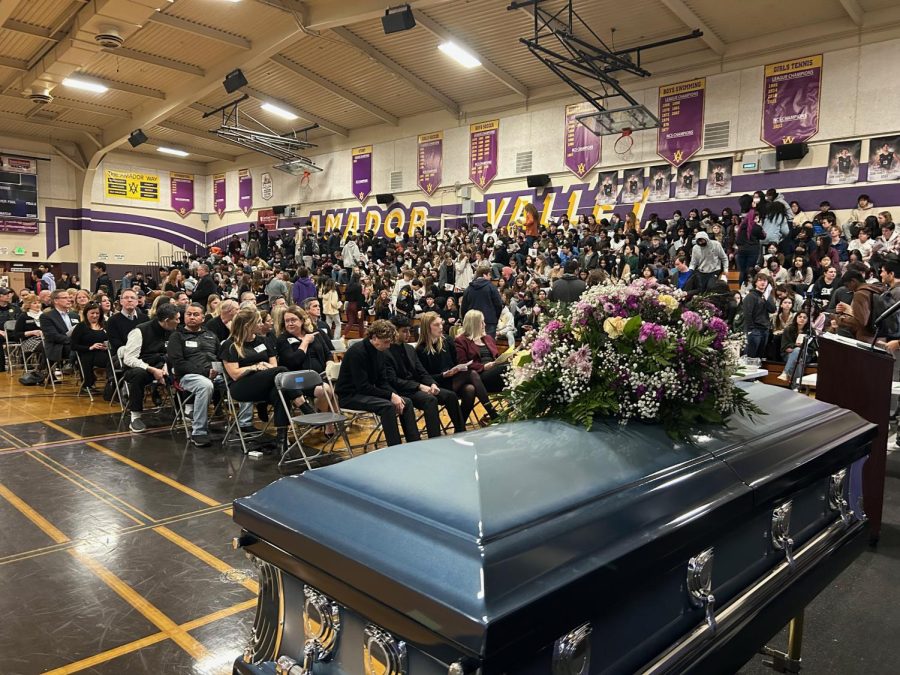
[142,187]
[434,136]
[682,87]
[364,150]
[794,65]
[484,126]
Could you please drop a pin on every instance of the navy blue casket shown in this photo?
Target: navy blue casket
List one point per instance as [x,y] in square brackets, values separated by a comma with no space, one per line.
[539,546]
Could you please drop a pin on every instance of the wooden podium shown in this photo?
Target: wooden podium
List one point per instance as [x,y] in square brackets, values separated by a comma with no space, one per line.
[858,378]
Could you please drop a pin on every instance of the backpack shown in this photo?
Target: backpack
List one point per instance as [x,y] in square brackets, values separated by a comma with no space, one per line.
[31,378]
[881,302]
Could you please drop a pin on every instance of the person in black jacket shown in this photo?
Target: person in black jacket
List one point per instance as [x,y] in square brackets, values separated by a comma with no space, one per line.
[363,384]
[89,341]
[219,325]
[748,240]
[8,312]
[122,323]
[206,286]
[568,288]
[57,326]
[408,376]
[191,352]
[757,308]
[103,283]
[484,296]
[353,294]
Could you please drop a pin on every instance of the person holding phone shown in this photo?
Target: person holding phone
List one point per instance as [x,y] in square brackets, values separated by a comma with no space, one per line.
[758,306]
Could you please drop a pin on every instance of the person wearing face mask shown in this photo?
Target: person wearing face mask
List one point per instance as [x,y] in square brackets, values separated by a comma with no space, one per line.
[708,260]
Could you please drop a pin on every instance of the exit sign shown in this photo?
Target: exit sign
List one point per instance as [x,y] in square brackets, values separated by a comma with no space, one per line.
[19,250]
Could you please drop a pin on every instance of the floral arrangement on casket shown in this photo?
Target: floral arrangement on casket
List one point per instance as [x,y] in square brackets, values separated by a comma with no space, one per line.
[633,352]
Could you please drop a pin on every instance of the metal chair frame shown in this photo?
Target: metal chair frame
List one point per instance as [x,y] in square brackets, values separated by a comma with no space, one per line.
[232,413]
[11,346]
[305,379]
[376,435]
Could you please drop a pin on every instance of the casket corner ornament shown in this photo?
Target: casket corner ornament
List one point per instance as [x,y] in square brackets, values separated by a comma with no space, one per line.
[572,652]
[699,585]
[383,654]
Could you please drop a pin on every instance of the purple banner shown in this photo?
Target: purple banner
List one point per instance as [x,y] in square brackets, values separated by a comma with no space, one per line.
[484,149]
[681,107]
[361,172]
[430,162]
[245,191]
[181,193]
[607,187]
[219,194]
[791,100]
[582,144]
[687,180]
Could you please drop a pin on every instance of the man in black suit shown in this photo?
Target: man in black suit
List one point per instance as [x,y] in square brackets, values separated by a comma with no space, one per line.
[103,283]
[57,325]
[363,384]
[206,286]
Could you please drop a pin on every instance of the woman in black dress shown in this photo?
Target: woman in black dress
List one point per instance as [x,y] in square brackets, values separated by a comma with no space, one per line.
[89,340]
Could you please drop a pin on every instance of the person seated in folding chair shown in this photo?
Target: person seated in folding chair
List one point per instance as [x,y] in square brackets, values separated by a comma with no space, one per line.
[408,377]
[251,366]
[122,323]
[57,326]
[301,347]
[363,384]
[144,356]
[8,312]
[28,330]
[89,339]
[191,352]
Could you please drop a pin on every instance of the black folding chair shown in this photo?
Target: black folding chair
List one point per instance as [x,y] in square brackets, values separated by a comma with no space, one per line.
[233,411]
[302,425]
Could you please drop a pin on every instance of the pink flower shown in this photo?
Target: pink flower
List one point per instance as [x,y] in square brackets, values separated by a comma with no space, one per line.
[540,348]
[692,319]
[652,331]
[553,326]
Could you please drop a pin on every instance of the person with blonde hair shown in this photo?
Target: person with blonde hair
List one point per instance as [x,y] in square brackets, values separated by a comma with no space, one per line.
[160,300]
[250,363]
[437,352]
[476,347]
[212,307]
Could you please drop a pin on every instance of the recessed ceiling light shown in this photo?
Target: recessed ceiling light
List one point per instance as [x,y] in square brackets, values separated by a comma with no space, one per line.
[460,55]
[277,110]
[86,85]
[173,151]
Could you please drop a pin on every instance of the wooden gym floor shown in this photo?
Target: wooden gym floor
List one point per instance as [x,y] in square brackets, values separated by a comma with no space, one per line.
[115,551]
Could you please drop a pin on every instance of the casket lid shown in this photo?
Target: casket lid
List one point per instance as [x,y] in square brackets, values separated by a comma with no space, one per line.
[462,533]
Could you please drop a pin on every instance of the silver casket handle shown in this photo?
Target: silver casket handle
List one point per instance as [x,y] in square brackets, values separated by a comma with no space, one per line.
[781,531]
[699,585]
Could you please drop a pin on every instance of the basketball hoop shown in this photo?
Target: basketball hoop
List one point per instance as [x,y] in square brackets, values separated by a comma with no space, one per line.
[304,179]
[624,142]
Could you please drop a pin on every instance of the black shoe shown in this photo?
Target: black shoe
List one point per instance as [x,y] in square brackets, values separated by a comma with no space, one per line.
[89,390]
[201,440]
[137,426]
[262,409]
[248,429]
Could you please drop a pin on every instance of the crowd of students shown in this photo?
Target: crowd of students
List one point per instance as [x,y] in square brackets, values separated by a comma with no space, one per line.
[798,273]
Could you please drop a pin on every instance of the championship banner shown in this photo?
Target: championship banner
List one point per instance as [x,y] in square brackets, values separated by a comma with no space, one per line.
[143,187]
[17,164]
[680,134]
[430,162]
[607,188]
[181,193]
[219,194]
[687,180]
[361,170]
[582,145]
[484,149]
[245,191]
[718,176]
[791,100]
[660,183]
[267,218]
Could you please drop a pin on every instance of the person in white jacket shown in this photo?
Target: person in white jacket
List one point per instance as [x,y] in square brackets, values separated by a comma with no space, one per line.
[464,273]
[350,254]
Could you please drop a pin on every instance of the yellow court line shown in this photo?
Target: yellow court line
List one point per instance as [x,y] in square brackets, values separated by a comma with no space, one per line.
[205,556]
[33,456]
[199,496]
[70,434]
[123,590]
[122,650]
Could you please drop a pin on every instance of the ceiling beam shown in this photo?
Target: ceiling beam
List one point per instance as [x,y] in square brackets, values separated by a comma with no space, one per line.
[54,124]
[444,35]
[6,10]
[153,60]
[212,154]
[125,87]
[691,20]
[321,121]
[28,29]
[79,105]
[330,14]
[13,64]
[336,89]
[854,11]
[164,19]
[413,80]
[78,166]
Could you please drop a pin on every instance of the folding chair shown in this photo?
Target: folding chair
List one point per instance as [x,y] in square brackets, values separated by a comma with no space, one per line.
[376,435]
[338,346]
[233,413]
[181,397]
[12,346]
[81,371]
[306,379]
[116,371]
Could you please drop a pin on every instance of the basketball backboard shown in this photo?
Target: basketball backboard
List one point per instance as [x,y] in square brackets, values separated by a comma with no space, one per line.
[613,122]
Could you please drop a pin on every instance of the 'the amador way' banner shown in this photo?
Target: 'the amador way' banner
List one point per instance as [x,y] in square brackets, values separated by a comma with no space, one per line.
[791,100]
[680,134]
[143,187]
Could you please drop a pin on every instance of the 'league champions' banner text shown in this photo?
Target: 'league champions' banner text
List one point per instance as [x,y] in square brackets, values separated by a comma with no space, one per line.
[181,193]
[361,172]
[484,151]
[430,162]
[582,147]
[680,134]
[791,94]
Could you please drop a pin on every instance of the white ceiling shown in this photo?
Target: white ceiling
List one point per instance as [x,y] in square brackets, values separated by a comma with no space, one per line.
[330,61]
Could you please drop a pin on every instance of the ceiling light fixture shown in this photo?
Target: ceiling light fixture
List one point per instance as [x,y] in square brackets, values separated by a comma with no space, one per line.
[86,85]
[460,55]
[278,110]
[173,151]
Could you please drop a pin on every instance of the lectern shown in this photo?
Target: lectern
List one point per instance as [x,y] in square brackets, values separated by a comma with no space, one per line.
[857,377]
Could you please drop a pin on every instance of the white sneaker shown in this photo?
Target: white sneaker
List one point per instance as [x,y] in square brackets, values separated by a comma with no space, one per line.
[783,377]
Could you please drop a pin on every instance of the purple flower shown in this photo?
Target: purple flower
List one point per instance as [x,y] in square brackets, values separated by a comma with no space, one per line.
[692,319]
[552,327]
[652,331]
[540,348]
[718,326]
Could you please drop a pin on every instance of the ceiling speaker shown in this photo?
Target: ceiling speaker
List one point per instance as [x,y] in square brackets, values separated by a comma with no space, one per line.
[384,199]
[279,210]
[791,151]
[234,81]
[137,137]
[399,19]
[538,180]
